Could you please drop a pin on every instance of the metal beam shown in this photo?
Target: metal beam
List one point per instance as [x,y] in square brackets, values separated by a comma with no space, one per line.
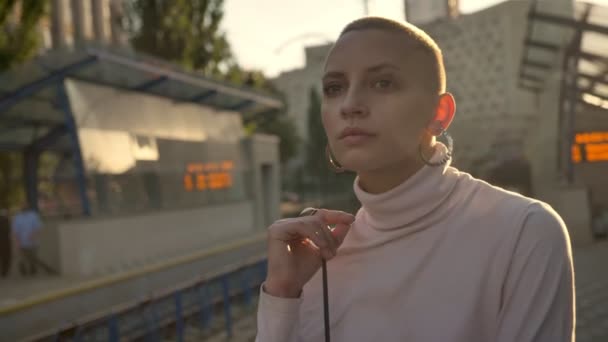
[564,21]
[593,57]
[542,45]
[31,159]
[49,138]
[150,83]
[203,96]
[17,121]
[530,88]
[17,147]
[602,78]
[77,152]
[14,97]
[536,64]
[241,105]
[267,100]
[531,77]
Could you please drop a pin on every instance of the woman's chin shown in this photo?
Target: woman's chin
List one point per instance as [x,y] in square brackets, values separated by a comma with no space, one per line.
[357,163]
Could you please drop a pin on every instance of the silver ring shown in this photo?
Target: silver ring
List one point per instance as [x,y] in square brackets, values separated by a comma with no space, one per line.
[309,212]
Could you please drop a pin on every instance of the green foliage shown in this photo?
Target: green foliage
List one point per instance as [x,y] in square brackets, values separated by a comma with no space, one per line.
[283,127]
[18,43]
[11,191]
[186,32]
[19,36]
[317,140]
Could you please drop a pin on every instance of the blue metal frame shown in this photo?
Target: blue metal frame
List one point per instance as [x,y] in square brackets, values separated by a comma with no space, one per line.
[241,105]
[72,131]
[150,84]
[199,295]
[47,140]
[31,157]
[14,97]
[203,96]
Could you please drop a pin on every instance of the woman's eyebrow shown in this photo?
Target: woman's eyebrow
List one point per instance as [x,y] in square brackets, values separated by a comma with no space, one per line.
[371,69]
[333,74]
[382,66]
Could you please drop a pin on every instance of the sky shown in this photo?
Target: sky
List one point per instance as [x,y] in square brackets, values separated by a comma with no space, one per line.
[270,35]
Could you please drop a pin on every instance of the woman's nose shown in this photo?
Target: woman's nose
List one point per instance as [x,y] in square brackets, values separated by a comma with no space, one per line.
[354,105]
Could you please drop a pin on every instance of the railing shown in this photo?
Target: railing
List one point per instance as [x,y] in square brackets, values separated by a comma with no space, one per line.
[152,317]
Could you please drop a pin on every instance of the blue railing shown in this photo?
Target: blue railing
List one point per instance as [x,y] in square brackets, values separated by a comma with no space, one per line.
[199,301]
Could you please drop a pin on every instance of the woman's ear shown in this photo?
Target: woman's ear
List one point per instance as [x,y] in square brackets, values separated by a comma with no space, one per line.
[444,114]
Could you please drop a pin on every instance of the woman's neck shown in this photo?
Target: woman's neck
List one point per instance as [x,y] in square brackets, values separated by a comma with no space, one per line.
[381,180]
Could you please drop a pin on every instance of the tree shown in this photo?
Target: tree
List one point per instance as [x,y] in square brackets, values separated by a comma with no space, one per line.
[18,42]
[18,34]
[186,32]
[279,124]
[316,162]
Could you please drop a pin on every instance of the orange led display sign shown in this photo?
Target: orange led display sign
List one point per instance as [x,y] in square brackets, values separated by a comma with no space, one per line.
[208,176]
[589,147]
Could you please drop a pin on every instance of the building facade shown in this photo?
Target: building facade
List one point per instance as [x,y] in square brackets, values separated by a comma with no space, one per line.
[420,12]
[75,22]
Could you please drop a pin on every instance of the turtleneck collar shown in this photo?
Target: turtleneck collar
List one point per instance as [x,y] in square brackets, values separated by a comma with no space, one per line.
[411,200]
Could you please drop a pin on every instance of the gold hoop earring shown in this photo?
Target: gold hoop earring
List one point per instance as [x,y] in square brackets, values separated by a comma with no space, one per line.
[333,164]
[448,155]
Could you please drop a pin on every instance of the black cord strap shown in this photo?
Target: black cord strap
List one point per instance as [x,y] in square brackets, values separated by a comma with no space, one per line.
[325,301]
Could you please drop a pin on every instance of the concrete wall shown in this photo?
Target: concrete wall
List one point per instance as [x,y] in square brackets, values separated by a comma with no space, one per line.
[262,152]
[97,246]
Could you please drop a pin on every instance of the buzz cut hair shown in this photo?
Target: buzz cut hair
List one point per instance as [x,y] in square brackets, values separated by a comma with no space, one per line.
[415,37]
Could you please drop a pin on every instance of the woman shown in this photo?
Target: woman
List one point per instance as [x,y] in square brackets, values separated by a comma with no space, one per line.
[433,254]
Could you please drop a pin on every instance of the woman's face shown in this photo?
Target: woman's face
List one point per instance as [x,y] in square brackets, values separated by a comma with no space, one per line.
[375,105]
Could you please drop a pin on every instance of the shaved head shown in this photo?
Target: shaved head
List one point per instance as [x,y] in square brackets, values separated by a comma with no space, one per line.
[415,39]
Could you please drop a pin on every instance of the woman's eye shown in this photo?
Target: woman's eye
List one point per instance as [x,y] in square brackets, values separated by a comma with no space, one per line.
[383,84]
[332,89]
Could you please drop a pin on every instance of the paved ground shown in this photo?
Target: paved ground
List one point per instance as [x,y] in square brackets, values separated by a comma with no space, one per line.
[590,265]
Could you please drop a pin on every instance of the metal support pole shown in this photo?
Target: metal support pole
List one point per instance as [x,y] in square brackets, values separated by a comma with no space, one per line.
[113,332]
[64,102]
[179,322]
[246,283]
[205,310]
[31,158]
[227,314]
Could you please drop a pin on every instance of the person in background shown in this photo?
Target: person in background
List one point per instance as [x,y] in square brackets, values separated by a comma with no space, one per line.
[26,228]
[6,247]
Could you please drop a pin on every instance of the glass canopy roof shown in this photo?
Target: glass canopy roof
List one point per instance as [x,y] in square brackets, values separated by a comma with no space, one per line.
[32,102]
[582,34]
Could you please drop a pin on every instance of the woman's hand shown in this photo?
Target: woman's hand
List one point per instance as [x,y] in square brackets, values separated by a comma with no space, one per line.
[296,246]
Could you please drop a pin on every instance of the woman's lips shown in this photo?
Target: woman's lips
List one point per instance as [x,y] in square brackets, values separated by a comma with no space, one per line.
[355,136]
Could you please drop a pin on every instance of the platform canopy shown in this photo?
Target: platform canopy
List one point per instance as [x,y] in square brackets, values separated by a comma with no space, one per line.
[567,41]
[580,35]
[36,113]
[33,107]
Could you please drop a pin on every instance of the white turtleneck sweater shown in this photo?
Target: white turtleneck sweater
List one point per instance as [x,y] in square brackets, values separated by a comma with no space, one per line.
[443,257]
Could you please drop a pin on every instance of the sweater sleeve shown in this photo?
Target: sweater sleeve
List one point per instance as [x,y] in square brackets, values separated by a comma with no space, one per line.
[277,318]
[538,293]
